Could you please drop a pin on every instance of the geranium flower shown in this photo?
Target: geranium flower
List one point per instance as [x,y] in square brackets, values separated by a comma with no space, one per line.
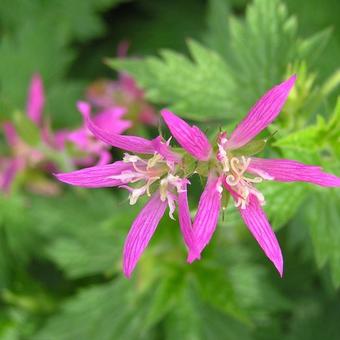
[152,169]
[89,147]
[123,92]
[234,172]
[85,150]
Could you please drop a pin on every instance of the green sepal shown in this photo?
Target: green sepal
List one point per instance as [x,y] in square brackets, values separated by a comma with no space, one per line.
[225,199]
[26,129]
[189,164]
[251,148]
[203,169]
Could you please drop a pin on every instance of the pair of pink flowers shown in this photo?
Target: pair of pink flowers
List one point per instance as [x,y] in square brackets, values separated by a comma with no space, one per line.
[85,149]
[162,174]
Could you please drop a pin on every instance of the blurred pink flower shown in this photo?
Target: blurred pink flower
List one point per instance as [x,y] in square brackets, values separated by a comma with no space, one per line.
[155,175]
[108,120]
[86,150]
[238,174]
[124,92]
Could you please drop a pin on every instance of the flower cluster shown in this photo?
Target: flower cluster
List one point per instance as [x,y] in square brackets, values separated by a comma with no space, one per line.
[69,149]
[154,169]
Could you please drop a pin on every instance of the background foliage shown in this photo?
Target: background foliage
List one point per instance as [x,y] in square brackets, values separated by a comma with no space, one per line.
[60,257]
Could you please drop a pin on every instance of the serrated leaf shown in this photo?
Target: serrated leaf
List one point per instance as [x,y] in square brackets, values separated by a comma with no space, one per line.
[90,240]
[181,83]
[108,311]
[324,220]
[218,28]
[194,320]
[282,201]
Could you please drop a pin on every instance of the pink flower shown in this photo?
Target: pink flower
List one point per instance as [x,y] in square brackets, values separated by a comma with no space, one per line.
[124,92]
[86,150]
[150,168]
[238,174]
[84,141]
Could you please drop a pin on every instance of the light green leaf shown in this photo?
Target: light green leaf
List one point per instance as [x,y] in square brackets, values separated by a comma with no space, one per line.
[181,83]
[108,311]
[282,201]
[194,320]
[91,239]
[324,219]
[218,28]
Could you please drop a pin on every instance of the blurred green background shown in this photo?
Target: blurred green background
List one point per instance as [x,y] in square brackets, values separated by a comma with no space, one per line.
[60,256]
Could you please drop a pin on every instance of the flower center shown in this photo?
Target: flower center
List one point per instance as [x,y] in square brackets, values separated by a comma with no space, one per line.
[147,172]
[233,170]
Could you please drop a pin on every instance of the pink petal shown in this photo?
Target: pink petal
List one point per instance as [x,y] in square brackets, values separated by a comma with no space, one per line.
[11,168]
[79,137]
[164,149]
[128,143]
[36,99]
[285,170]
[257,223]
[192,139]
[206,218]
[10,134]
[96,176]
[110,120]
[123,48]
[261,114]
[185,224]
[141,232]
[104,157]
[59,138]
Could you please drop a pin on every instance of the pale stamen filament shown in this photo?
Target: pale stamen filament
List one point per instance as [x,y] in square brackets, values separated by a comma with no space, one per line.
[157,158]
[253,180]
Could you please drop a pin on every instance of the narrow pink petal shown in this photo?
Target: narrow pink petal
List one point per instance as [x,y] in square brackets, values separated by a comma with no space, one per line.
[10,134]
[185,224]
[59,138]
[128,143]
[79,137]
[96,176]
[164,149]
[206,218]
[11,168]
[192,139]
[261,114]
[104,157]
[123,48]
[36,99]
[110,120]
[285,170]
[141,232]
[257,223]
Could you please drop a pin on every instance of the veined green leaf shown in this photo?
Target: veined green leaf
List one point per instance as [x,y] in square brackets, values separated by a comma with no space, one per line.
[181,83]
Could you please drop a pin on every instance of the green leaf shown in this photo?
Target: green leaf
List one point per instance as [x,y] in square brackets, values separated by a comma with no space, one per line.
[283,200]
[17,237]
[90,240]
[108,311]
[315,322]
[324,220]
[36,37]
[251,148]
[215,86]
[27,130]
[183,84]
[91,251]
[315,139]
[194,320]
[218,28]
